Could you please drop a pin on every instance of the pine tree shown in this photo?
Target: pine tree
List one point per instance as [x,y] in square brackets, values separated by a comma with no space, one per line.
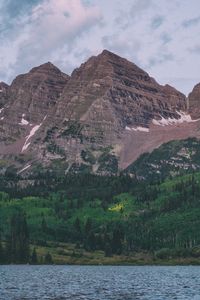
[18,244]
[24,250]
[108,250]
[48,259]
[1,252]
[91,242]
[88,226]
[77,227]
[44,224]
[117,241]
[34,259]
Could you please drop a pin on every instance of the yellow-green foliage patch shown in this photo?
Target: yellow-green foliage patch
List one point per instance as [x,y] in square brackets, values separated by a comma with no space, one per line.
[117,207]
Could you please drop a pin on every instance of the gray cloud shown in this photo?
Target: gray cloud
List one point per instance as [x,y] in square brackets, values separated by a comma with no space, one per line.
[13,9]
[157,22]
[195,49]
[191,22]
[165,38]
[128,48]
[160,58]
[140,6]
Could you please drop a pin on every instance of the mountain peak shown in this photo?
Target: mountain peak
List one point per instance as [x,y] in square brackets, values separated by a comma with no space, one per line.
[3,85]
[108,55]
[46,67]
[106,52]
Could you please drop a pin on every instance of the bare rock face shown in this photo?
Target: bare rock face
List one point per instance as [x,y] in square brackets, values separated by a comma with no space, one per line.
[194,102]
[30,97]
[33,94]
[100,119]
[3,94]
[134,96]
[104,98]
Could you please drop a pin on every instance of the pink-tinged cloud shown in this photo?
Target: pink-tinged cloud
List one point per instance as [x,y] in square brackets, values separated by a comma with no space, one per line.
[41,34]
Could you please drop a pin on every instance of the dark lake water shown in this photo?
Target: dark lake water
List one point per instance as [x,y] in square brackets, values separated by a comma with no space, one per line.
[99,283]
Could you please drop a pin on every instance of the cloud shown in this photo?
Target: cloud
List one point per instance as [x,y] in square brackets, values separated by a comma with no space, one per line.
[160,59]
[116,44]
[191,22]
[50,26]
[165,38]
[13,9]
[139,6]
[157,22]
[195,49]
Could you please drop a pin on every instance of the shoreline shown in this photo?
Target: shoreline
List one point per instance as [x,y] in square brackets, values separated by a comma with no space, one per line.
[117,264]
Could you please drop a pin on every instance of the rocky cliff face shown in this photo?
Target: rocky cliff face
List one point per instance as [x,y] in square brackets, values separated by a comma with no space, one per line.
[99,119]
[35,93]
[3,94]
[194,102]
[104,98]
[134,96]
[29,99]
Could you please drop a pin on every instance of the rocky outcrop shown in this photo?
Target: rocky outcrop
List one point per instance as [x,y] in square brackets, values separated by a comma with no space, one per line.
[3,94]
[194,102]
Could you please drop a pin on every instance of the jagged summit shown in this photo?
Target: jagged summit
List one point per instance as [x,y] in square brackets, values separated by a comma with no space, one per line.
[3,85]
[135,97]
[108,52]
[46,67]
[108,63]
[103,116]
[110,56]
[113,57]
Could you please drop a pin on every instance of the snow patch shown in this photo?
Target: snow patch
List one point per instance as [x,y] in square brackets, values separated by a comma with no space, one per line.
[172,121]
[2,118]
[96,85]
[24,169]
[1,110]
[138,128]
[142,129]
[31,134]
[23,121]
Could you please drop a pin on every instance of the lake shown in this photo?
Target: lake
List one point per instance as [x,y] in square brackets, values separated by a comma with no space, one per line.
[99,282]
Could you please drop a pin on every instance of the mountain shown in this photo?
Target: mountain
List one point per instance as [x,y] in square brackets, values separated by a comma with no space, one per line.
[100,119]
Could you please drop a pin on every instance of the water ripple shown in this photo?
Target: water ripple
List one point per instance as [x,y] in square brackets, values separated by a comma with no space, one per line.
[99,283]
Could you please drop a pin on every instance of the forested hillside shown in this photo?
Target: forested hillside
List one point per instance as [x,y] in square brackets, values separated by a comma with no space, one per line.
[94,219]
[169,160]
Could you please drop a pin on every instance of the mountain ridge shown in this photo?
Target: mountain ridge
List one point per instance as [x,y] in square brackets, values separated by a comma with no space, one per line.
[100,119]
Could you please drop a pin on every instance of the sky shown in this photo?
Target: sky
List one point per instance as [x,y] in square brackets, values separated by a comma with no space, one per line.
[162,37]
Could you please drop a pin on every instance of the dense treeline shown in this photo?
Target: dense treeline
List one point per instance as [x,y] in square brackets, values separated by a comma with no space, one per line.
[16,248]
[74,185]
[117,215]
